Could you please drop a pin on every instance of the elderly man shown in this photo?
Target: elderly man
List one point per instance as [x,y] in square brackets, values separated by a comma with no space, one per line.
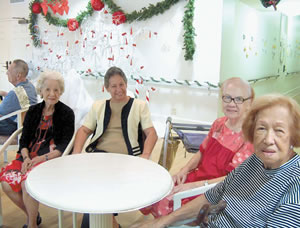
[23,95]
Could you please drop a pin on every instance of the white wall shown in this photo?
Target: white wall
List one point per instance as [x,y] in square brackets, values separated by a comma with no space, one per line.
[293,50]
[161,55]
[13,36]
[251,42]
[232,40]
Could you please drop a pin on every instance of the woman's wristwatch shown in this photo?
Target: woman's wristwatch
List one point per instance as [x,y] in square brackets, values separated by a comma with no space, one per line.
[46,156]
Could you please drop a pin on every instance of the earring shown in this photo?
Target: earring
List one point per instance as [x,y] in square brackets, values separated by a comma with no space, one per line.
[291,147]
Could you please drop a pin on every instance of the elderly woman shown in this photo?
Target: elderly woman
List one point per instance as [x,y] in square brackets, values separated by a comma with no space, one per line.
[263,191]
[119,124]
[47,129]
[222,150]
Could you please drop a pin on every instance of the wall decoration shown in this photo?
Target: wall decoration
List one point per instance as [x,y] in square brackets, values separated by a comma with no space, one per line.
[97,5]
[119,17]
[36,8]
[268,3]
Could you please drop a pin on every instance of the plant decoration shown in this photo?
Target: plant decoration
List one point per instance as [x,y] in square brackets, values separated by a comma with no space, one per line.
[189,31]
[267,3]
[119,17]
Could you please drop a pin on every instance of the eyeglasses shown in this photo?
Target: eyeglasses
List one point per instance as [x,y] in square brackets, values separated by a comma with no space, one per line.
[236,100]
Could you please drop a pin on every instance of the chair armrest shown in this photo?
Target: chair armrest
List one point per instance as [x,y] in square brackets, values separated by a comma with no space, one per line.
[188,193]
[185,194]
[13,114]
[10,139]
[70,146]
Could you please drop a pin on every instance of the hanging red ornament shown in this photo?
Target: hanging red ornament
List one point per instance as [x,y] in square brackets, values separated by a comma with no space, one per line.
[36,8]
[72,24]
[118,18]
[59,6]
[97,5]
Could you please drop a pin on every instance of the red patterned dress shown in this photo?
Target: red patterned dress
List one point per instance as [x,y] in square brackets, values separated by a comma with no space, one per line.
[222,151]
[43,138]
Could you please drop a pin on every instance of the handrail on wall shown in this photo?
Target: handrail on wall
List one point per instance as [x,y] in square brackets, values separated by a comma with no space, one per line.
[291,73]
[263,78]
[161,81]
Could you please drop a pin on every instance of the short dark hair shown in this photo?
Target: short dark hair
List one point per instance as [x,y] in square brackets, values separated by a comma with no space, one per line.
[111,72]
[21,67]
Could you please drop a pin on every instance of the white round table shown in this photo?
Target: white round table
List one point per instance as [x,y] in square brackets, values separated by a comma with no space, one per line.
[99,184]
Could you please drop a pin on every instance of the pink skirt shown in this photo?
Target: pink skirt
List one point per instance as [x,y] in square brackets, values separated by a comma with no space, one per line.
[11,174]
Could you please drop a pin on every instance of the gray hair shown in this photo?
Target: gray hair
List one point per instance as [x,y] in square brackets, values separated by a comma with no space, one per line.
[20,66]
[54,75]
[241,82]
[112,71]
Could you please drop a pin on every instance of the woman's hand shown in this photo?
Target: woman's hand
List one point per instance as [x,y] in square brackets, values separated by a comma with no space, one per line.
[180,177]
[27,164]
[37,160]
[184,187]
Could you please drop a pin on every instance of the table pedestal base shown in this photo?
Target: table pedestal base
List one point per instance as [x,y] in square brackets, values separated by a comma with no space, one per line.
[101,221]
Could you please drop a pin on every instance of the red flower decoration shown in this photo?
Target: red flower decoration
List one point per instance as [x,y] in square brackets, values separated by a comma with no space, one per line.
[36,8]
[118,18]
[97,5]
[72,24]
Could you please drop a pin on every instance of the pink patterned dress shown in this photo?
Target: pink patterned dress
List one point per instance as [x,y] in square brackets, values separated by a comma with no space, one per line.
[222,151]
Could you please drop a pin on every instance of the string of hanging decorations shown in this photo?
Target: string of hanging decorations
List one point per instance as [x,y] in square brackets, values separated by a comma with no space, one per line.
[119,16]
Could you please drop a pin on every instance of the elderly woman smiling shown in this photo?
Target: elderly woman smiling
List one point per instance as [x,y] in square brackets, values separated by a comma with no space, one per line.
[48,127]
[264,191]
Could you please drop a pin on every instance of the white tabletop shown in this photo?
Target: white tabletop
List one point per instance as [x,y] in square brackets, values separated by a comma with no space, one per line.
[99,183]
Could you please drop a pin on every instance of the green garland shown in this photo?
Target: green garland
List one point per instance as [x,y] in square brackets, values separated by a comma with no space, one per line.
[189,31]
[143,14]
[34,31]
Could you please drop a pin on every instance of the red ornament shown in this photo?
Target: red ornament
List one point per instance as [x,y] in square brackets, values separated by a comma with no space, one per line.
[36,8]
[72,24]
[97,5]
[118,18]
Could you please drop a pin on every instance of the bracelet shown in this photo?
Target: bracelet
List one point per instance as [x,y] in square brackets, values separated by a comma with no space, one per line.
[206,183]
[46,156]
